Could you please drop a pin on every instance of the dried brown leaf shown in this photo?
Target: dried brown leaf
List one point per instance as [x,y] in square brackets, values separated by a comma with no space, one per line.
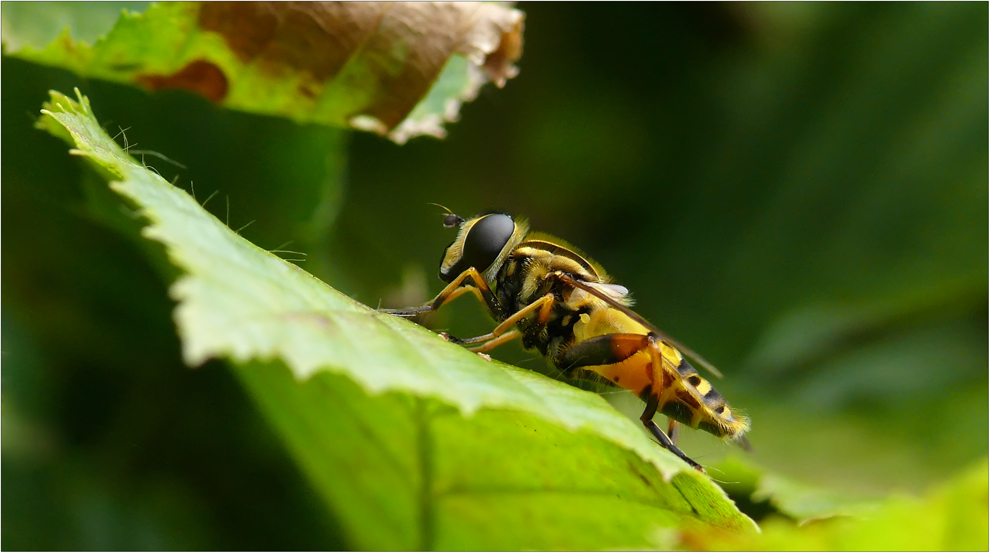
[396,49]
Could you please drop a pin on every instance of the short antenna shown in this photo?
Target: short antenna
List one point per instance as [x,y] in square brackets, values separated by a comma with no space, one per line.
[441,207]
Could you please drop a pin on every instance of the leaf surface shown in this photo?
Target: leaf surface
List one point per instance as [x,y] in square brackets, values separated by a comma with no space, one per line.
[950,517]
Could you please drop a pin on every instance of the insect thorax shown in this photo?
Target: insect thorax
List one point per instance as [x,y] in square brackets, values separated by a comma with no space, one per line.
[525,277]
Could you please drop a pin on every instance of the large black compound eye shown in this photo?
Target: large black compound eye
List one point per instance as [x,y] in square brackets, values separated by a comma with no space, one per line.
[483,243]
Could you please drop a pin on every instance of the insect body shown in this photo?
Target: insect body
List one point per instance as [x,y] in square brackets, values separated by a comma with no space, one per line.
[561,303]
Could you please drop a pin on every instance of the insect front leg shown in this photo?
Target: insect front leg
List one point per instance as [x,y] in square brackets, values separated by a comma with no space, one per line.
[452,291]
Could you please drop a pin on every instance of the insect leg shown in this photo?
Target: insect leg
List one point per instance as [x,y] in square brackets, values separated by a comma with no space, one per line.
[544,304]
[600,350]
[495,342]
[655,396]
[647,418]
[455,289]
[673,429]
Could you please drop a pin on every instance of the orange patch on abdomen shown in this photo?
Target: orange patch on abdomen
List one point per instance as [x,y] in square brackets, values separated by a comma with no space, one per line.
[633,374]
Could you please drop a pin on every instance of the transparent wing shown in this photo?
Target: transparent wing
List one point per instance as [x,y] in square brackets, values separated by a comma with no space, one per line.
[616,304]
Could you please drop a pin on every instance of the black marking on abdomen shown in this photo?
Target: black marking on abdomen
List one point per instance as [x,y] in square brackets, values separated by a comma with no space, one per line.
[712,398]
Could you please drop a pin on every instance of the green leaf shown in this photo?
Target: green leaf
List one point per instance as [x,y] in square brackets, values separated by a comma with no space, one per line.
[951,517]
[398,69]
[413,442]
[786,496]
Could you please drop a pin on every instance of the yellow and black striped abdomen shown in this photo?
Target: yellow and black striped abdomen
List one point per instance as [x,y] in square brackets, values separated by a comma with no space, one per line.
[632,359]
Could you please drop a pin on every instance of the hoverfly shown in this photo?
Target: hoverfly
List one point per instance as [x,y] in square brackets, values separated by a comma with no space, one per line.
[560,302]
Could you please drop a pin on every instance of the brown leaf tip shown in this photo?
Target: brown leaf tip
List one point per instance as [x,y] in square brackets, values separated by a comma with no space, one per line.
[495,42]
[199,76]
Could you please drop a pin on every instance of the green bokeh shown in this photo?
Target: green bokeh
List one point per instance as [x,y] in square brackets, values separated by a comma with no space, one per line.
[795,190]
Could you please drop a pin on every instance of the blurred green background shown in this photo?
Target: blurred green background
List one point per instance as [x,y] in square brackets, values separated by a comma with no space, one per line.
[798,191]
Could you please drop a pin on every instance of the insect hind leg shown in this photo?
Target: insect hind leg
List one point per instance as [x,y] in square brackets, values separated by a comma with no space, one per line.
[600,350]
[673,429]
[647,418]
[653,395]
[615,348]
